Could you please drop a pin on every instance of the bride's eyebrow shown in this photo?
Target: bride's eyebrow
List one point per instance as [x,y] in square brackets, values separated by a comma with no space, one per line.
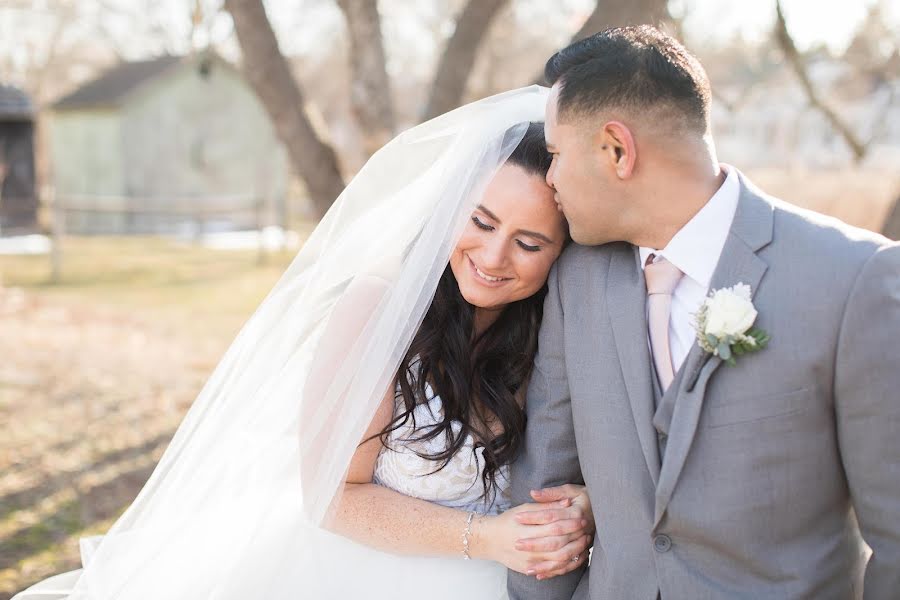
[534,234]
[488,213]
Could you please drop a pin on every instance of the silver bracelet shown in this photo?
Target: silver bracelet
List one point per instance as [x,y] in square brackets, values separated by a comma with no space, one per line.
[465,537]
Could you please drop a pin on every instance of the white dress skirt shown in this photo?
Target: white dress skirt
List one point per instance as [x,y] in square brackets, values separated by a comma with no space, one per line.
[326,566]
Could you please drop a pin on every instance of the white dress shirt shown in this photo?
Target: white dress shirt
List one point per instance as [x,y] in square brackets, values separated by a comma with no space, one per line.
[695,250]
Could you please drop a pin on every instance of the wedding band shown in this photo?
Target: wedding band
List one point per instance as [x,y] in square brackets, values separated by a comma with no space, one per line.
[576,557]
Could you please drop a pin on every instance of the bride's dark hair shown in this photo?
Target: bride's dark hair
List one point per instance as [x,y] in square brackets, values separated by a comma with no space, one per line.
[460,368]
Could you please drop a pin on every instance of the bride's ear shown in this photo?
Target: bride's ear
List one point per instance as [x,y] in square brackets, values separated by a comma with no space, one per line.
[617,148]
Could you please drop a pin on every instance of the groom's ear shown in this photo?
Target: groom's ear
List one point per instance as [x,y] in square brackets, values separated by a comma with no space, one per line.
[617,147]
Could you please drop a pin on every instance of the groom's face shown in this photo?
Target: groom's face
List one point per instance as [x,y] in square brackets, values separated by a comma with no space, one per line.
[586,188]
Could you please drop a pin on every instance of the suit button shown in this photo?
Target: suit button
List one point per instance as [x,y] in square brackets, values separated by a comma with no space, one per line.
[662,543]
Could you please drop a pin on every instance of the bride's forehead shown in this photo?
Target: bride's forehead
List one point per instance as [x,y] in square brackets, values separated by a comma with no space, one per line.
[526,200]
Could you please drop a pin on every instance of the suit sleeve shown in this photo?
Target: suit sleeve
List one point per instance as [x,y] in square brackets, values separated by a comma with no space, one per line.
[867,405]
[549,456]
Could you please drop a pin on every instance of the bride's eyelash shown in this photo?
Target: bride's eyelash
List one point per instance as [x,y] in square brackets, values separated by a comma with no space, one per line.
[481,225]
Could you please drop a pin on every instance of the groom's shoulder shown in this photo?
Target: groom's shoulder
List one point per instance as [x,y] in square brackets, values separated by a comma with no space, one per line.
[802,231]
[576,257]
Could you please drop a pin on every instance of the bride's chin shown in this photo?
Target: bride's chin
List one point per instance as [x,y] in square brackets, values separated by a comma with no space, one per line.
[480,299]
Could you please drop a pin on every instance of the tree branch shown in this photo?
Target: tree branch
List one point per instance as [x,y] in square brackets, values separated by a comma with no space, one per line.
[459,56]
[270,76]
[370,89]
[786,42]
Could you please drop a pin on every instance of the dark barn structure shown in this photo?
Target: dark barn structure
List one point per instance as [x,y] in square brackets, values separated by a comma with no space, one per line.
[18,197]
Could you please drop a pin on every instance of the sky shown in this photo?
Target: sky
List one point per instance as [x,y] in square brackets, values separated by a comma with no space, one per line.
[810,21]
[305,27]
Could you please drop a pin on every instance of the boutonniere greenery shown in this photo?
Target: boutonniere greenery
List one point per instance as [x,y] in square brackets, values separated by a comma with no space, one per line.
[724,324]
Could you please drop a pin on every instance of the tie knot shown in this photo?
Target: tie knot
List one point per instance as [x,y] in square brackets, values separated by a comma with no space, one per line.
[662,276]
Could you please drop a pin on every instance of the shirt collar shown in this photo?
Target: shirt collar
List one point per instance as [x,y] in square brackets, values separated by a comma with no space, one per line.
[696,247]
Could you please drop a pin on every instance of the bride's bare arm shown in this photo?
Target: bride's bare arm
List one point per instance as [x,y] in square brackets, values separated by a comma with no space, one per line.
[393,522]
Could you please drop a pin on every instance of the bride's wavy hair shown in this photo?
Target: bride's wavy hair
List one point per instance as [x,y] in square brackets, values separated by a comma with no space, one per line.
[460,368]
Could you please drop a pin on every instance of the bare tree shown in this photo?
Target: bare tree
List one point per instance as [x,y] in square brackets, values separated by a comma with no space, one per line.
[370,91]
[794,58]
[619,13]
[459,56]
[269,74]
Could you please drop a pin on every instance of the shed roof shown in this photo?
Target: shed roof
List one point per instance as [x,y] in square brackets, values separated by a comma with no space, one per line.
[112,86]
[14,104]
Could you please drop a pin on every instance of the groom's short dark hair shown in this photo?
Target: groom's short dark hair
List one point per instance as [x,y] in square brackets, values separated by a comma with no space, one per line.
[636,68]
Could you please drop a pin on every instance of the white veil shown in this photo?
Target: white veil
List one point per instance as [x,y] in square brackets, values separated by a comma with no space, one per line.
[253,468]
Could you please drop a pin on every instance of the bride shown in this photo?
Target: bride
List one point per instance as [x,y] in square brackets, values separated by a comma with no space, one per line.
[354,441]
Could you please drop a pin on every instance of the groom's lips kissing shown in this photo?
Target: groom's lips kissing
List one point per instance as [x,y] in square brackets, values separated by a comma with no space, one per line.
[559,205]
[482,277]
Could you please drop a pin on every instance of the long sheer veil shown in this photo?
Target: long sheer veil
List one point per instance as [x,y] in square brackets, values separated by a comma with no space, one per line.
[254,466]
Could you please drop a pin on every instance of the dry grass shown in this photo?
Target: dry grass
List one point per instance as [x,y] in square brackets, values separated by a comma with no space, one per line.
[156,278]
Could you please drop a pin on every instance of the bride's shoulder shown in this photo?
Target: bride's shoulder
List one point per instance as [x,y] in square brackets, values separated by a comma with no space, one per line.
[371,282]
[384,271]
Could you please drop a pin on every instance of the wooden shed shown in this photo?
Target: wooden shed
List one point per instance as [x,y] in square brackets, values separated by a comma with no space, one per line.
[18,198]
[150,143]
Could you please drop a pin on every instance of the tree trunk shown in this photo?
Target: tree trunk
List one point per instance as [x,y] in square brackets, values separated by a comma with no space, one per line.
[891,227]
[370,90]
[459,56]
[270,76]
[619,13]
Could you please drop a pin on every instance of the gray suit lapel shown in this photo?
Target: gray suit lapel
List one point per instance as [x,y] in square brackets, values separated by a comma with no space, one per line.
[626,298]
[750,231]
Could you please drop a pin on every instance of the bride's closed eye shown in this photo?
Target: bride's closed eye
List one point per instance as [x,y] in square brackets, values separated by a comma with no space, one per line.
[527,247]
[482,225]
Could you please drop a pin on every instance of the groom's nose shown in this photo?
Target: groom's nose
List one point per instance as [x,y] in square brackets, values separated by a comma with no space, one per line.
[551,174]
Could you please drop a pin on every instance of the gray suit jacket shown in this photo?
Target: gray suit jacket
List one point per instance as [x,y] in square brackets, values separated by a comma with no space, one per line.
[775,470]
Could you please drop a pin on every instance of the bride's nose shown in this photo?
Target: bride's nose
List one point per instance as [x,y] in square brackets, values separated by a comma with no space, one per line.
[494,254]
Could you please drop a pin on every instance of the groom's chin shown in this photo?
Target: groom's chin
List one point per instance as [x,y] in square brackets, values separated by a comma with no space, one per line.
[586,238]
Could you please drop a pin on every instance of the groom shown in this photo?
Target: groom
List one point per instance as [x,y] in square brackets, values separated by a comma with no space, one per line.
[777,477]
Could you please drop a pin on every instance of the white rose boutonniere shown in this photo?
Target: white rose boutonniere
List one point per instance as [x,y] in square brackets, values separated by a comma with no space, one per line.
[725,324]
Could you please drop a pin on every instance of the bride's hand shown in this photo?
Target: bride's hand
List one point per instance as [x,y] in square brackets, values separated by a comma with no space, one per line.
[552,541]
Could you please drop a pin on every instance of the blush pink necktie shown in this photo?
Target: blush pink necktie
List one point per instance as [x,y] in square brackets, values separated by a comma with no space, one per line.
[662,277]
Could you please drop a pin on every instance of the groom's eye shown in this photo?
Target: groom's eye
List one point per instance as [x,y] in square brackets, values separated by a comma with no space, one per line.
[481,225]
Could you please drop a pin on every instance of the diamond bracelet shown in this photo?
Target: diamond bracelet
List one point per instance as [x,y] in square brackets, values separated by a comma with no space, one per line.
[465,537]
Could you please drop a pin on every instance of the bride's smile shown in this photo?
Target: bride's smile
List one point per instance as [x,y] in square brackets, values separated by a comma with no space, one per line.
[486,279]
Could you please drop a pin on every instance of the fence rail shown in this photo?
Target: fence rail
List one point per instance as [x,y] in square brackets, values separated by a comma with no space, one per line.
[182,217]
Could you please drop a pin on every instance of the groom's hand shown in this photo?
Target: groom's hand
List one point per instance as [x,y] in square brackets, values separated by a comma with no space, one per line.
[579,506]
[562,504]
